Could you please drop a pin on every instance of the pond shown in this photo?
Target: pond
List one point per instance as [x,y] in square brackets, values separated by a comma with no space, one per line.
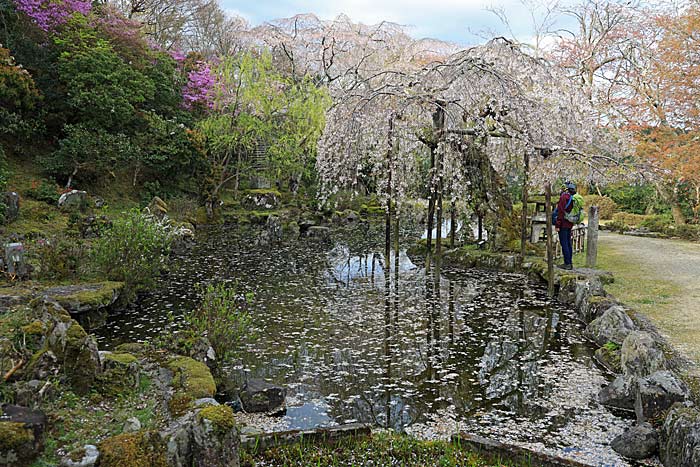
[426,352]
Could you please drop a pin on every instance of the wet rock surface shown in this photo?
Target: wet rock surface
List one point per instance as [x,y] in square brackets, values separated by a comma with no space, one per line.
[613,326]
[679,440]
[619,394]
[260,396]
[641,355]
[639,442]
[656,393]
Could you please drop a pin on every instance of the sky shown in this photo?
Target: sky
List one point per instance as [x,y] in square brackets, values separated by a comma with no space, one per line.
[459,21]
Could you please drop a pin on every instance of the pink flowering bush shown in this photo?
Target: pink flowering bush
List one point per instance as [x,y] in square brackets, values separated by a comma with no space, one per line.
[199,90]
[48,14]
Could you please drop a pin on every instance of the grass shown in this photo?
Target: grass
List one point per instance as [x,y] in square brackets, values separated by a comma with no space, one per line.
[382,449]
[75,421]
[634,285]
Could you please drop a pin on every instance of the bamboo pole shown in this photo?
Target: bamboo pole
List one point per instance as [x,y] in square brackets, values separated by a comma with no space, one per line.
[550,253]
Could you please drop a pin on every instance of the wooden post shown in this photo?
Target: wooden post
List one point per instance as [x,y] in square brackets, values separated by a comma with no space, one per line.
[550,253]
[523,227]
[592,242]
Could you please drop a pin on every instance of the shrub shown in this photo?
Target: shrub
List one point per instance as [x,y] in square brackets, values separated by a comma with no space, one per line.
[60,258]
[44,190]
[133,251]
[687,232]
[632,220]
[607,207]
[617,226]
[657,223]
[223,318]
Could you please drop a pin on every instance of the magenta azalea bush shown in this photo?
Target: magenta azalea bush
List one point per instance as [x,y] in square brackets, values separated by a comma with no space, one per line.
[48,14]
[199,90]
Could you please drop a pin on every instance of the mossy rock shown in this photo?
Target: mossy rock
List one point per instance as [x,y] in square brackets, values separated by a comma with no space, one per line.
[134,348]
[191,380]
[82,298]
[122,359]
[609,356]
[139,449]
[17,444]
[220,416]
[121,374]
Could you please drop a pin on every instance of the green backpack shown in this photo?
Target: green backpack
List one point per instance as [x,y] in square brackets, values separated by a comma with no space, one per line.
[576,215]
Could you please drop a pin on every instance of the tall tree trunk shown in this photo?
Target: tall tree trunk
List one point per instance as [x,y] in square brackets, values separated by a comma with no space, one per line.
[431,200]
[671,199]
[523,227]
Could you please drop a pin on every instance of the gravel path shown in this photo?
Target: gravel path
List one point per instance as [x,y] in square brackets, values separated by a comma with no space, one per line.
[672,261]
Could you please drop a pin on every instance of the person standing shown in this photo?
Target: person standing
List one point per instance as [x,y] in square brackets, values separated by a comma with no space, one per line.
[563,226]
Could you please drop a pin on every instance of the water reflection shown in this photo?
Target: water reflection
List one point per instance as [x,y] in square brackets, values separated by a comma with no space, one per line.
[352,346]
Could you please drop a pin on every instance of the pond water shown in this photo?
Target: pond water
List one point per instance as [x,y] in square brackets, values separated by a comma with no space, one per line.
[430,352]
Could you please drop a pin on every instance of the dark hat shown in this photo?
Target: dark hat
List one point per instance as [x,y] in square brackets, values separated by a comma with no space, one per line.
[570,186]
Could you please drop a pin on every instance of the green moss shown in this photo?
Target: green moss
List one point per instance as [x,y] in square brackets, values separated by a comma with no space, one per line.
[35,328]
[140,449]
[191,380]
[265,191]
[101,295]
[121,358]
[13,436]
[220,416]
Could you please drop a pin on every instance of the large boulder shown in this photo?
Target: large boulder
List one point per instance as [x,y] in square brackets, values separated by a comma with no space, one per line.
[74,350]
[74,200]
[215,438]
[158,208]
[84,298]
[86,456]
[619,394]
[638,442]
[613,326]
[679,439]
[120,373]
[656,393]
[207,436]
[21,435]
[641,355]
[260,396]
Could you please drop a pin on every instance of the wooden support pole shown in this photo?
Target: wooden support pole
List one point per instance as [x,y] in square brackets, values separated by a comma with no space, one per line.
[550,230]
[526,181]
[592,242]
